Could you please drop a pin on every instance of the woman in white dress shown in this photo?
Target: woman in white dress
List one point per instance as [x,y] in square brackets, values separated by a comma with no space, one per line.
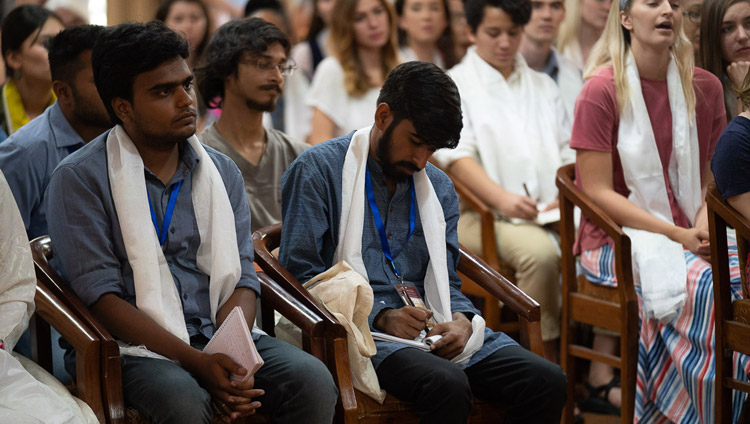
[363,51]
[581,29]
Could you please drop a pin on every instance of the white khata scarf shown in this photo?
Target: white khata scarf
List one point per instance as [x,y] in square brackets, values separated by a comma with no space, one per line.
[349,248]
[659,262]
[217,256]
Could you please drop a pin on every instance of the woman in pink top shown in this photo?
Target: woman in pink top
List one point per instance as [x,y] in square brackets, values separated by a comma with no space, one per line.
[645,126]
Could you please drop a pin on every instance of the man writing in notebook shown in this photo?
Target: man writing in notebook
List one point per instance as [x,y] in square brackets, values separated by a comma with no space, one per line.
[152,231]
[372,200]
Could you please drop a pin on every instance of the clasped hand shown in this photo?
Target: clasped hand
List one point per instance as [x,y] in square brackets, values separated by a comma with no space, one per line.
[407,322]
[234,398]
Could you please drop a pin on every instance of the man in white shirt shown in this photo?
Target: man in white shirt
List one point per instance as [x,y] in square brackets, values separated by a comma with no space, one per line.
[515,136]
[537,48]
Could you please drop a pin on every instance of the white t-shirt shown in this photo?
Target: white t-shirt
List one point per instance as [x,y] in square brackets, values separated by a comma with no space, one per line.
[327,94]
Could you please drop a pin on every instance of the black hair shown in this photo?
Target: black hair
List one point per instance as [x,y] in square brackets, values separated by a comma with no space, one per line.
[163,11]
[232,41]
[65,50]
[519,11]
[426,96]
[253,6]
[20,23]
[127,50]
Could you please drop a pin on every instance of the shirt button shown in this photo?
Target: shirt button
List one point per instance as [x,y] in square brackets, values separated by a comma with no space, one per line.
[391,209]
[184,296]
[169,263]
[390,234]
[171,230]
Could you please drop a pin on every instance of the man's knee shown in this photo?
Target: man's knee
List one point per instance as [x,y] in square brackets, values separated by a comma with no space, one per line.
[451,383]
[547,382]
[315,383]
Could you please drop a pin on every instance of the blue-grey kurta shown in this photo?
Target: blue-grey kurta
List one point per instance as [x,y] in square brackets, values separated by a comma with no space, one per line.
[311,210]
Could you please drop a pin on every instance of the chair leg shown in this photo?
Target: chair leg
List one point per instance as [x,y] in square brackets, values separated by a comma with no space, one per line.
[723,393]
[568,363]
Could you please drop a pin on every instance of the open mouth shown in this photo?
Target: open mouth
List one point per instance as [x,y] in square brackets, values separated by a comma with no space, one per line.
[665,26]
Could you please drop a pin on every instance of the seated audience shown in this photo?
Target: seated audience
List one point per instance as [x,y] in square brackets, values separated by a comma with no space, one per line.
[725,46]
[459,28]
[424,32]
[581,29]
[537,49]
[162,290]
[29,156]
[692,13]
[245,68]
[307,55]
[514,138]
[645,127]
[403,232]
[346,84]
[28,90]
[27,393]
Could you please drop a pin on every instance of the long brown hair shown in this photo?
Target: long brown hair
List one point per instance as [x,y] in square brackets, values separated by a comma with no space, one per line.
[344,46]
[711,55]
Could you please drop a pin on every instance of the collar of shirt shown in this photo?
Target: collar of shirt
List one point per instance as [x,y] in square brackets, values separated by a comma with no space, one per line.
[188,161]
[64,135]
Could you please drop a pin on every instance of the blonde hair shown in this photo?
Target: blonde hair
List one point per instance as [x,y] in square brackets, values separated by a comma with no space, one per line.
[744,93]
[571,25]
[612,49]
[344,46]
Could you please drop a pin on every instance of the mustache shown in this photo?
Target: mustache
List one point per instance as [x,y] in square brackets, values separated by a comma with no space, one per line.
[275,87]
[408,165]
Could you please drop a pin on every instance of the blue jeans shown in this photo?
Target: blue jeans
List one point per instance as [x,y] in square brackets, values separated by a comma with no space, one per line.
[298,387]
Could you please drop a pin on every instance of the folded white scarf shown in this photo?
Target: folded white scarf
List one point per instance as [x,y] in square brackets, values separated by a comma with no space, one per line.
[659,262]
[349,248]
[217,256]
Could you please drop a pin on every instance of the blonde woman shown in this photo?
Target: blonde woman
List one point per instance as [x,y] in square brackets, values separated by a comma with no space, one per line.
[582,27]
[645,126]
[345,87]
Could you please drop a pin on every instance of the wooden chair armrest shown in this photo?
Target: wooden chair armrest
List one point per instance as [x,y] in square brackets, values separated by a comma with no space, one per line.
[89,349]
[570,197]
[312,325]
[63,310]
[497,285]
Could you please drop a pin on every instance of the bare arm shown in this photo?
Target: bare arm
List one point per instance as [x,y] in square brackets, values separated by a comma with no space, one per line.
[596,178]
[741,203]
[472,175]
[322,128]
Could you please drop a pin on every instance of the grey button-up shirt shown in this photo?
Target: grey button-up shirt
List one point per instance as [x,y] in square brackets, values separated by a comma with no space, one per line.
[311,211]
[88,241]
[28,158]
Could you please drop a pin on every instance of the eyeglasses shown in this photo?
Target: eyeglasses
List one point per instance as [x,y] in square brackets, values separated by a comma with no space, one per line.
[694,16]
[264,65]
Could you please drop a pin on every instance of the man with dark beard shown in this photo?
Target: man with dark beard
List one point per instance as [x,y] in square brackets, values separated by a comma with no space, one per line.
[29,156]
[243,72]
[371,200]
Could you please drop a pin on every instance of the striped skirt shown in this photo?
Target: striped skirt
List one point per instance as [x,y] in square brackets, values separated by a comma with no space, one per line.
[676,361]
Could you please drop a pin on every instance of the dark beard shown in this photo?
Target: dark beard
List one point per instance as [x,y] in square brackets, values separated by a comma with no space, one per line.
[390,169]
[264,107]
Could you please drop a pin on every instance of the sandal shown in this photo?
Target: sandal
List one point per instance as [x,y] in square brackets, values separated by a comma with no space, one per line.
[598,400]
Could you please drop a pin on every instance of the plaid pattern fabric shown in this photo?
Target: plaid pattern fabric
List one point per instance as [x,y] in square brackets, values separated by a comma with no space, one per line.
[676,362]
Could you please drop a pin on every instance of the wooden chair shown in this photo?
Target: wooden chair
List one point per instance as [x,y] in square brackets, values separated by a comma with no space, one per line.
[612,308]
[98,371]
[732,318]
[491,309]
[355,407]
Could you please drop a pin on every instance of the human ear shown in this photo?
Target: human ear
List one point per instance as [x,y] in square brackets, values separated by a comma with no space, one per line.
[123,109]
[625,21]
[383,116]
[63,91]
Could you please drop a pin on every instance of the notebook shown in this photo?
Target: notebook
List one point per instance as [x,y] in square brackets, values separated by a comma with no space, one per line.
[421,342]
[234,339]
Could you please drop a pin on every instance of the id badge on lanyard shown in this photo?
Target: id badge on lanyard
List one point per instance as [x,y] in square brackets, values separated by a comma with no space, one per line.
[406,290]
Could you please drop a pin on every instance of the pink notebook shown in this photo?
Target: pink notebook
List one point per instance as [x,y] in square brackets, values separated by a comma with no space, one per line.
[234,339]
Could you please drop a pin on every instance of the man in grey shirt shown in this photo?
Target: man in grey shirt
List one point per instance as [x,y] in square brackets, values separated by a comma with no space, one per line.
[243,72]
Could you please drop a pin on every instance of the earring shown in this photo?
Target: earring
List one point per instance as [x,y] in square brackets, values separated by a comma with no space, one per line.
[17,74]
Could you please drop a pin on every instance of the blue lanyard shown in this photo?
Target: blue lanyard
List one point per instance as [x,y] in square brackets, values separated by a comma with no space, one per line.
[379,222]
[162,234]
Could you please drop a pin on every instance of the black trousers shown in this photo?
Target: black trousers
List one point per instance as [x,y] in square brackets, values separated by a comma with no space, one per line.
[531,386]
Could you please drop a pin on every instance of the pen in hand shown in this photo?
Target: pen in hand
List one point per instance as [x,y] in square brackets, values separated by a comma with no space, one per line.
[526,190]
